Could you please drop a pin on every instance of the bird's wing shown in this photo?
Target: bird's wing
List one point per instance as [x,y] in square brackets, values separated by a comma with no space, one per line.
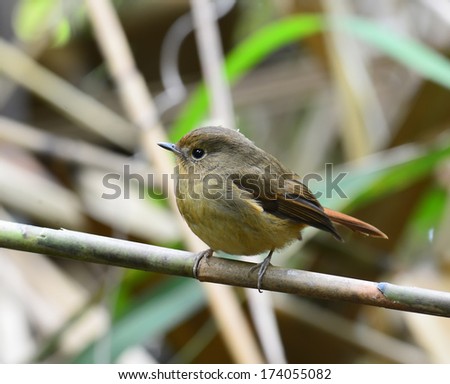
[289,199]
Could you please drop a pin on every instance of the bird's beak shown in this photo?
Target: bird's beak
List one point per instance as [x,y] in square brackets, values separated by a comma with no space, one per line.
[170,147]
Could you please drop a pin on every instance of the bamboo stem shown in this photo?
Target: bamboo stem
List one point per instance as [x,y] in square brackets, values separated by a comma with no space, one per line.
[103,250]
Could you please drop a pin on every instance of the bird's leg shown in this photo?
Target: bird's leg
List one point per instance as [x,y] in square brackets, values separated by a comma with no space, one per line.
[198,258]
[262,268]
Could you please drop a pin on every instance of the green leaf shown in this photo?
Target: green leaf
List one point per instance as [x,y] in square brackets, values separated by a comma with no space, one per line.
[271,38]
[171,303]
[388,172]
[243,58]
[406,51]
[428,212]
[33,18]
[416,242]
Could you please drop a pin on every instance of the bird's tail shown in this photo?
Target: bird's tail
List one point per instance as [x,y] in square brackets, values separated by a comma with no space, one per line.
[354,224]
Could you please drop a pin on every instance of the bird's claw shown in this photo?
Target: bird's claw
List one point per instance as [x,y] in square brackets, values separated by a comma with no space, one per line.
[262,268]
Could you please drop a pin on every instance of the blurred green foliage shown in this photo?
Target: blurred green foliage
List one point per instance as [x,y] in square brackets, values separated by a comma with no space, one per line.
[250,52]
[34,18]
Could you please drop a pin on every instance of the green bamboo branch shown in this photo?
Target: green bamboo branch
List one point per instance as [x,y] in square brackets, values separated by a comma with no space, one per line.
[103,250]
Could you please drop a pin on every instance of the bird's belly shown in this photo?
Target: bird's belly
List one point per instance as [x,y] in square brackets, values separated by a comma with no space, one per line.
[235,228]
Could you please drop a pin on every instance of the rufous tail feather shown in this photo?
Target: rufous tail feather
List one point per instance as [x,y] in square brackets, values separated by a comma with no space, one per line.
[354,224]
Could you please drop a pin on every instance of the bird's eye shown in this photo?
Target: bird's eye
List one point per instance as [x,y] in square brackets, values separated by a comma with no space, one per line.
[198,153]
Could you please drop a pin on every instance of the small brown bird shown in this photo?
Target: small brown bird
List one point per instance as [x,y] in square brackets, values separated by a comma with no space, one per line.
[241,200]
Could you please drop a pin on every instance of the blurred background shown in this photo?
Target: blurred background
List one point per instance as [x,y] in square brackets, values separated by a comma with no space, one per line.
[360,84]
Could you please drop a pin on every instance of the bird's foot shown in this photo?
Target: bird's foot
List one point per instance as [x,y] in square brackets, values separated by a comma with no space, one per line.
[262,268]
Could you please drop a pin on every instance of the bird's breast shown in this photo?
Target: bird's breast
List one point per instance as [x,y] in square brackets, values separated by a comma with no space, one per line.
[230,220]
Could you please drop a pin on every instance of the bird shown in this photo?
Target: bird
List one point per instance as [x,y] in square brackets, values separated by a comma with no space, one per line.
[241,200]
